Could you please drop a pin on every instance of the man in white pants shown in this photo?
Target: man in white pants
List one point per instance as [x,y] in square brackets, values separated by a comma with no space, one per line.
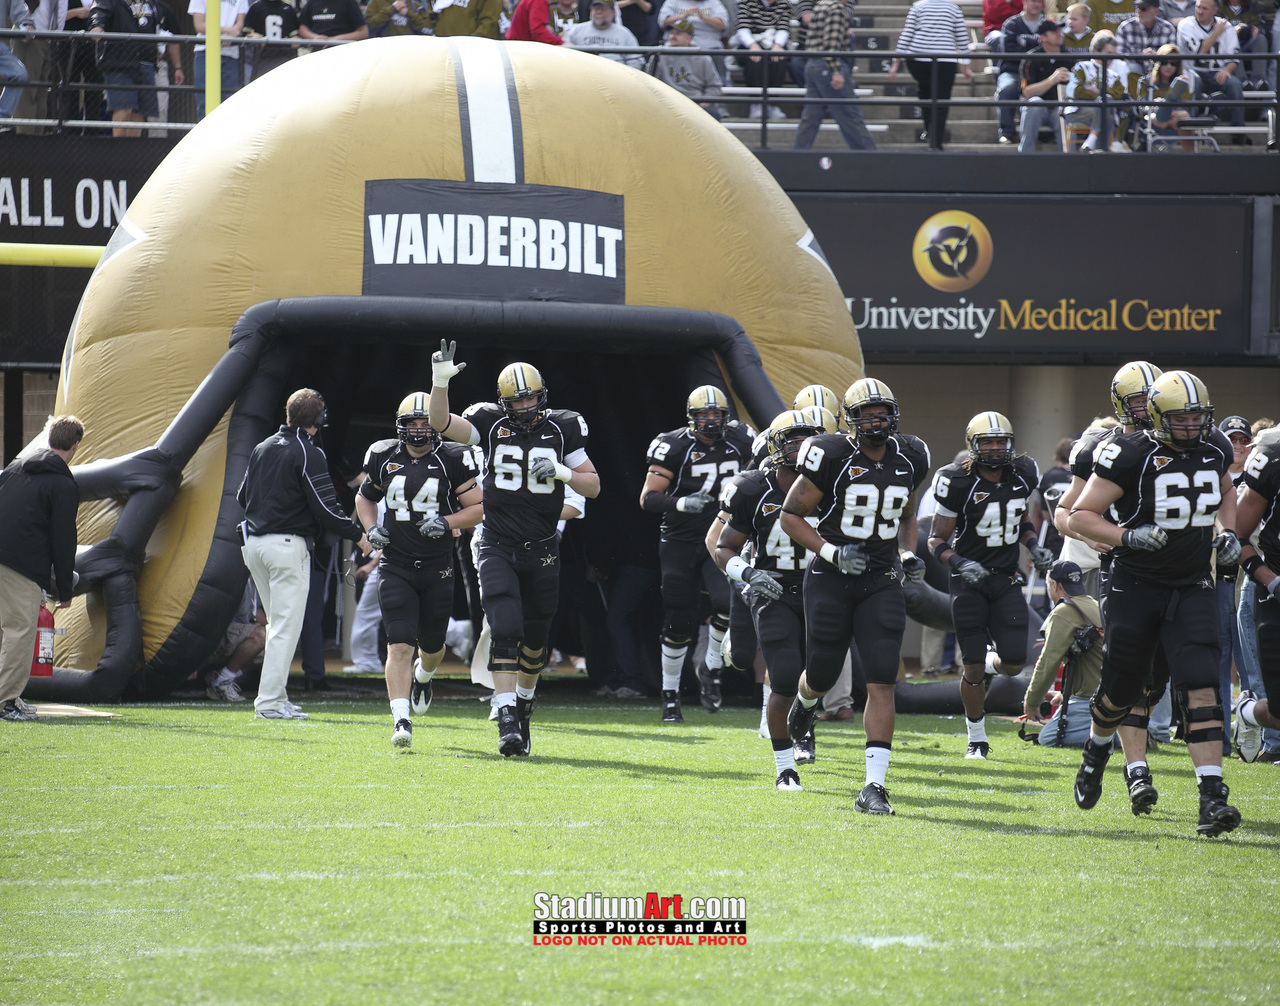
[288,500]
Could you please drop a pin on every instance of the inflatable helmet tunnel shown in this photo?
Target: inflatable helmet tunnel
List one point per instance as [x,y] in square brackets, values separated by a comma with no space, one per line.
[327,225]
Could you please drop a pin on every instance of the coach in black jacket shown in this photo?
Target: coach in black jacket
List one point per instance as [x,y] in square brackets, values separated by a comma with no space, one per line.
[288,501]
[38,501]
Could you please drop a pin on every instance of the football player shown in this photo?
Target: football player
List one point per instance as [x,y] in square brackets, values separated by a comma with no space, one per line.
[862,488]
[530,453]
[431,491]
[688,468]
[753,504]
[980,521]
[1167,487]
[1259,506]
[1129,389]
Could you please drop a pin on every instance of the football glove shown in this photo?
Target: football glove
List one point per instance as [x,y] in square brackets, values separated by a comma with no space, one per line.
[442,366]
[765,584]
[972,572]
[546,468]
[1148,538]
[913,568]
[851,559]
[434,527]
[694,502]
[1228,546]
[1273,588]
[378,537]
[1041,557]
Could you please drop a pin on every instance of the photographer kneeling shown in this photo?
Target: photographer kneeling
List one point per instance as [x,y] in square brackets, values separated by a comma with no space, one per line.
[1071,636]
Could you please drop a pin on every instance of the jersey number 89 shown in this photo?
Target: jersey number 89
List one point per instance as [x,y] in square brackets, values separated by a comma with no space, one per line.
[863,505]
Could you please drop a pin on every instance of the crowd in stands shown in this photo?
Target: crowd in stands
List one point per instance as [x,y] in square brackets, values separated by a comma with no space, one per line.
[1230,42]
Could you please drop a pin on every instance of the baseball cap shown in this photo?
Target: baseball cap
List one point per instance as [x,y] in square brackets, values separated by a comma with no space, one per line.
[1146,3]
[1069,577]
[1236,424]
[684,25]
[1048,24]
[602,3]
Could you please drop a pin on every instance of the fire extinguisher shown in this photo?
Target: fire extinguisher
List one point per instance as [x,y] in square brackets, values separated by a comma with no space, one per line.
[42,662]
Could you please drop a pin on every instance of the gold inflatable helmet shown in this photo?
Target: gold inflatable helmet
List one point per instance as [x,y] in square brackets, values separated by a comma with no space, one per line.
[788,431]
[868,391]
[518,383]
[708,411]
[820,395]
[1179,393]
[1130,384]
[994,426]
[413,409]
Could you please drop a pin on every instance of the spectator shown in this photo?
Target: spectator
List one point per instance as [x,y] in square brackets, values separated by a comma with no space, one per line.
[1071,637]
[933,26]
[232,26]
[640,17]
[994,14]
[765,25]
[1018,34]
[692,75]
[603,30]
[1212,40]
[709,21]
[277,21]
[1085,88]
[75,65]
[830,77]
[168,65]
[33,102]
[1246,19]
[1261,424]
[1166,85]
[542,21]
[1052,485]
[38,503]
[337,20]
[1143,34]
[399,17]
[128,68]
[244,640]
[1079,36]
[1108,15]
[1249,668]
[1174,11]
[472,17]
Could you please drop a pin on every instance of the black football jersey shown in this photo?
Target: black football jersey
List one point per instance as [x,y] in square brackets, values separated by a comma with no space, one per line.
[864,499]
[988,515]
[753,501]
[416,489]
[1082,451]
[698,467]
[1179,491]
[517,506]
[1262,475]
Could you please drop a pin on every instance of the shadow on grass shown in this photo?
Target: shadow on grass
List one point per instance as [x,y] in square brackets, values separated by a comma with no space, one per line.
[1186,833]
[644,769]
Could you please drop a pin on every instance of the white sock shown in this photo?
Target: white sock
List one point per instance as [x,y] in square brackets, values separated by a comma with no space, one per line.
[1100,740]
[525,693]
[399,710]
[421,674]
[766,691]
[714,657]
[977,729]
[223,677]
[504,699]
[1204,771]
[808,703]
[1132,767]
[784,759]
[672,665]
[1245,711]
[877,765]
[1091,143]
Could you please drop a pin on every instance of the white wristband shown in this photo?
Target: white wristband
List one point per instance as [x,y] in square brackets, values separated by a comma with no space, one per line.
[907,556]
[734,567]
[563,472]
[829,552]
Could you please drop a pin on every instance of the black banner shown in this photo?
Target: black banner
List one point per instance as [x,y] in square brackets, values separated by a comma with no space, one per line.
[1040,275]
[472,239]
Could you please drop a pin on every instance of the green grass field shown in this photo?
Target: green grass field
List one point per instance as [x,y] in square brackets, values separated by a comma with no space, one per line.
[185,853]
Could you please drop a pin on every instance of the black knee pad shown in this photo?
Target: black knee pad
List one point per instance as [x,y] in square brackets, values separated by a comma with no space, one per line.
[532,664]
[1136,720]
[720,622]
[1201,714]
[504,656]
[1105,714]
[674,640]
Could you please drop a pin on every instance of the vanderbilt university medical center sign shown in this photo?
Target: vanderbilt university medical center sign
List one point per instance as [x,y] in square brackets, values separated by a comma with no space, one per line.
[473,239]
[1052,275]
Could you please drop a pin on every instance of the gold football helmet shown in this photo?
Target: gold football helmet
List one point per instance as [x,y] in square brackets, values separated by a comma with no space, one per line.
[1130,384]
[820,395]
[517,382]
[823,417]
[788,431]
[1175,395]
[990,425]
[412,410]
[866,392]
[708,411]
